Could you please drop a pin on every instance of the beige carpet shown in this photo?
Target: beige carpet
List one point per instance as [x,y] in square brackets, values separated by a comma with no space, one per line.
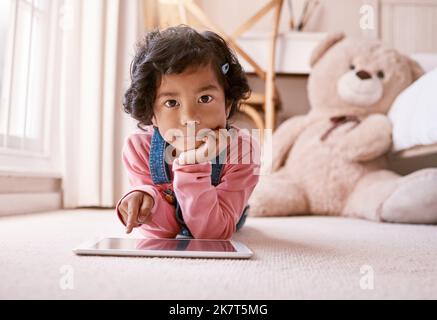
[295,258]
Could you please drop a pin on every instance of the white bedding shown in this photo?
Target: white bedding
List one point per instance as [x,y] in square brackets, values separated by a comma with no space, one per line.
[414,114]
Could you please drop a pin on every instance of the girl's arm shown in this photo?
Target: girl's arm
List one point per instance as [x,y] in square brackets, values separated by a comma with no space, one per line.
[212,212]
[163,223]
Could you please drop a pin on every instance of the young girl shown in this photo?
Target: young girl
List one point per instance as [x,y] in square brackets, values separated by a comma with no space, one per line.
[191,173]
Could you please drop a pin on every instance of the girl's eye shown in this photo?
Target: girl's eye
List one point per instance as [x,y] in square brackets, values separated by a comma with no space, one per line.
[352,67]
[205,99]
[171,103]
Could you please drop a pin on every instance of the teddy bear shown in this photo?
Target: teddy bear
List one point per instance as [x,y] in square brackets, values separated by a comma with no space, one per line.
[333,160]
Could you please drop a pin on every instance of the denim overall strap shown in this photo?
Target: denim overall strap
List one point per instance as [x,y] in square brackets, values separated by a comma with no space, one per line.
[159,169]
[216,168]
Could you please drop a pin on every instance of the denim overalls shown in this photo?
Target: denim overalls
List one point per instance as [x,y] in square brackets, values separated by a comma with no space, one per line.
[161,174]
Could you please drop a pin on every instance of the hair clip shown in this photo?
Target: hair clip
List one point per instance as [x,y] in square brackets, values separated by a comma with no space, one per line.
[225,68]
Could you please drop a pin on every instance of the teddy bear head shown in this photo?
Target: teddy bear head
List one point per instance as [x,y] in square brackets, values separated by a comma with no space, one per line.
[357,76]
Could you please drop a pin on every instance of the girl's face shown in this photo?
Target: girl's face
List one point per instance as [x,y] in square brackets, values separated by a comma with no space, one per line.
[188,104]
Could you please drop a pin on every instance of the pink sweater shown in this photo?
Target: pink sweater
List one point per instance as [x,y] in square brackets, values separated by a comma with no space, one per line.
[209,212]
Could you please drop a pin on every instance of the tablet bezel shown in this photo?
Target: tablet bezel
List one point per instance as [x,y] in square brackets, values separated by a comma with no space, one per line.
[242,251]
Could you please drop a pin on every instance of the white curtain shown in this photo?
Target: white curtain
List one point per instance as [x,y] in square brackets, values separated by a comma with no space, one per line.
[98,44]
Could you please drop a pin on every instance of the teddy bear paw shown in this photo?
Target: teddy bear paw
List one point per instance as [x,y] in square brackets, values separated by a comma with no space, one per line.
[414,200]
[257,209]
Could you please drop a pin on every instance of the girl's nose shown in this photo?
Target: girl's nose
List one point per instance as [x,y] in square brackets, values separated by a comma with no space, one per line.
[188,117]
[190,128]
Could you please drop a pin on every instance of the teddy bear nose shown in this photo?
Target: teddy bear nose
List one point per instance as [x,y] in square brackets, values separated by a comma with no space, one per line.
[363,75]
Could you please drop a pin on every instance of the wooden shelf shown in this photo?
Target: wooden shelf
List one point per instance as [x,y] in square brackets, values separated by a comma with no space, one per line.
[293,50]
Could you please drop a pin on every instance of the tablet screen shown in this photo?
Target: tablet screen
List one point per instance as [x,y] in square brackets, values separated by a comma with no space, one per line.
[166,244]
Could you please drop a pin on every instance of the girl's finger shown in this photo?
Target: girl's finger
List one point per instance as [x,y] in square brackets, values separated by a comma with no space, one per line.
[132,211]
[188,157]
[146,206]
[122,209]
[123,214]
[215,142]
[204,151]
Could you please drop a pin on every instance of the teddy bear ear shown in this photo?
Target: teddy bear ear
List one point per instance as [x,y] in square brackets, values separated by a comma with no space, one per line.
[416,70]
[324,46]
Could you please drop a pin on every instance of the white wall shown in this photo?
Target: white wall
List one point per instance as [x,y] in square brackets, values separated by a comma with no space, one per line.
[332,15]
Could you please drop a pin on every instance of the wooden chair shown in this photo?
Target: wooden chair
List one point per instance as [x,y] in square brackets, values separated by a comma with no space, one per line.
[258,103]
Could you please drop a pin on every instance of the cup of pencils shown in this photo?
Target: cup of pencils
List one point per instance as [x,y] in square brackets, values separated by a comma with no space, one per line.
[301,12]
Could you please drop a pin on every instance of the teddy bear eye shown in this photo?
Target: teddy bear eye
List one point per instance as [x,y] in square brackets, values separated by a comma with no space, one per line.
[380,74]
[352,67]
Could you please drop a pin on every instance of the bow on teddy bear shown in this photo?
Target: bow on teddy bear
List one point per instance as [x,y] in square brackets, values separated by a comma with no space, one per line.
[332,161]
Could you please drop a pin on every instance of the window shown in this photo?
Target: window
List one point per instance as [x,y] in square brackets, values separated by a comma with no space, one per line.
[28,55]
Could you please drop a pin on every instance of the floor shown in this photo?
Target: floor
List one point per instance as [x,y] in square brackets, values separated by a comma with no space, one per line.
[295,258]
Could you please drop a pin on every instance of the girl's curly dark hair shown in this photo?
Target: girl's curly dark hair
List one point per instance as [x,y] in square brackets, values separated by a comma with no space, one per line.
[171,51]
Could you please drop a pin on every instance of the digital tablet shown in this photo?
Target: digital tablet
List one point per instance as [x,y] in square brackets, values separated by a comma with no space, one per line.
[153,247]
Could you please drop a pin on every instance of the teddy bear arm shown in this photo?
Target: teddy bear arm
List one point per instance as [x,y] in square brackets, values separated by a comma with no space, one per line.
[369,140]
[284,137]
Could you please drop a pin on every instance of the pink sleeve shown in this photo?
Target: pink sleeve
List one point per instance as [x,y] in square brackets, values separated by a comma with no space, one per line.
[212,212]
[163,222]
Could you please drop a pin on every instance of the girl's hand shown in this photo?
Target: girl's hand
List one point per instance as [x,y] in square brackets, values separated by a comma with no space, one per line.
[135,209]
[213,144]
